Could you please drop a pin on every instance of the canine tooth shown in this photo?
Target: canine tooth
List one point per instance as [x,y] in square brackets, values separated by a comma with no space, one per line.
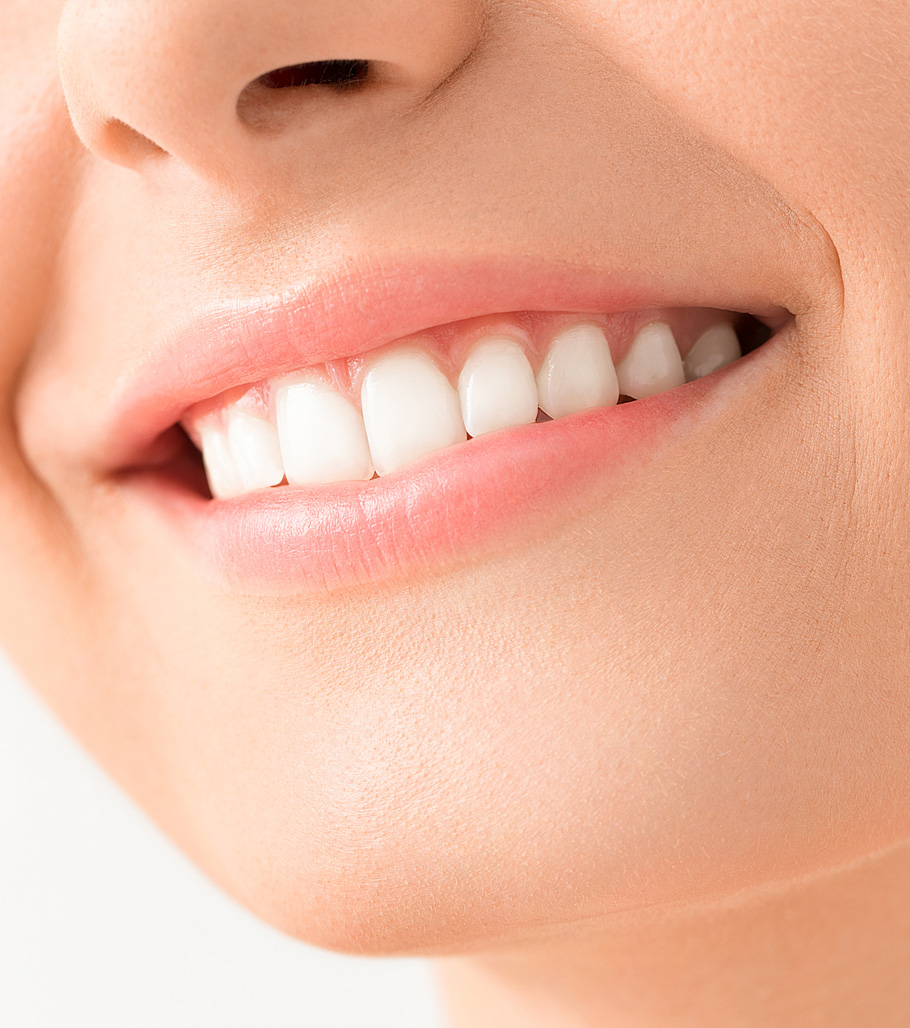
[577,372]
[321,434]
[253,443]
[224,481]
[652,364]
[715,348]
[496,387]
[409,409]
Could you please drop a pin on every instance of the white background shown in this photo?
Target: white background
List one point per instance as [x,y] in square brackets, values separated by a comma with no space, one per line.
[104,924]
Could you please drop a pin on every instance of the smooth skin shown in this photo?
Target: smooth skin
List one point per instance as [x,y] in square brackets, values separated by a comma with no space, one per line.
[649,769]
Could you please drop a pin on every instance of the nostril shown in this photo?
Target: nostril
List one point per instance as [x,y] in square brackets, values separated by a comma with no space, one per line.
[340,74]
[273,100]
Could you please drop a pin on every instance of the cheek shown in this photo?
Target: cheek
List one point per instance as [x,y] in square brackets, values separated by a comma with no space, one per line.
[38,175]
[789,89]
[37,147]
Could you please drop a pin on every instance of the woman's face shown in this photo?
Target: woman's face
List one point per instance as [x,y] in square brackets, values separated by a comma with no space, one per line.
[636,655]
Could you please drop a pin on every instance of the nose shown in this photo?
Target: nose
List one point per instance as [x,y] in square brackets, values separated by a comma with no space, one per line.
[212,83]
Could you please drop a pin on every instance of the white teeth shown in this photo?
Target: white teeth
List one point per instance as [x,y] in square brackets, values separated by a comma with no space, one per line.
[714,349]
[253,443]
[409,409]
[577,372]
[496,387]
[321,434]
[224,481]
[652,364]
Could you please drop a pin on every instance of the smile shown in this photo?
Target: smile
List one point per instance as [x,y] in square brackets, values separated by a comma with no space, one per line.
[368,416]
[345,462]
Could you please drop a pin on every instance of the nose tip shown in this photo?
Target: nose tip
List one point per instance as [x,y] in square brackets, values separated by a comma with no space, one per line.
[207,82]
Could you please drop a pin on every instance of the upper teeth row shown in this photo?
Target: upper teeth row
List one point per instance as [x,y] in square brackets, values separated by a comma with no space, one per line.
[312,433]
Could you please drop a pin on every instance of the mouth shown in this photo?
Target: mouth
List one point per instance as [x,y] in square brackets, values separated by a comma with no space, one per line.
[301,445]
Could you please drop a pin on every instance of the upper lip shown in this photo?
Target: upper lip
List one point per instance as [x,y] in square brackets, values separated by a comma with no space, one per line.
[359,305]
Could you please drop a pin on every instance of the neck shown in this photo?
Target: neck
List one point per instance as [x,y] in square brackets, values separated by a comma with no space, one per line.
[833,950]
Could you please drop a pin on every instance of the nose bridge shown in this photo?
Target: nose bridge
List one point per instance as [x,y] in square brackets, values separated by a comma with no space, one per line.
[148,79]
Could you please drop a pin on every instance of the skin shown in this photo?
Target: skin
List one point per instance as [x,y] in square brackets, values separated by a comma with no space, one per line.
[681,798]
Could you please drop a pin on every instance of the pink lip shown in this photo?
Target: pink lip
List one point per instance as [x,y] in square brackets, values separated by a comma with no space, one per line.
[457,504]
[363,305]
[471,500]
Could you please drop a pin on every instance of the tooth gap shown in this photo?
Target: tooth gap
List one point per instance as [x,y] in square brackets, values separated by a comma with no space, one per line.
[338,74]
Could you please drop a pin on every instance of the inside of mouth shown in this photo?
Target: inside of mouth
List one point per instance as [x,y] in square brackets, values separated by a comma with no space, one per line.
[368,416]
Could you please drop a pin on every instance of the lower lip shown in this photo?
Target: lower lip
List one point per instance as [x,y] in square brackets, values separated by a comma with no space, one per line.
[451,507]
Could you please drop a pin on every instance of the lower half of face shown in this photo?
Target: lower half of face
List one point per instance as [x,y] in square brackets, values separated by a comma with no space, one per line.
[589,594]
